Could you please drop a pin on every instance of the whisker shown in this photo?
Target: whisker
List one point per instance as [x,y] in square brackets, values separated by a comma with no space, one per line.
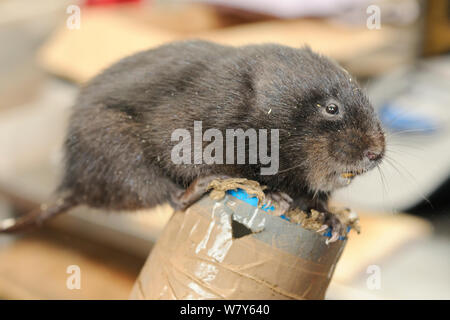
[410,176]
[402,152]
[394,133]
[389,161]
[316,192]
[285,170]
[416,147]
[383,183]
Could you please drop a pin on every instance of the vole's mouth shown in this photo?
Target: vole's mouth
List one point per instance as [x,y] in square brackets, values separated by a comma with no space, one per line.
[352,174]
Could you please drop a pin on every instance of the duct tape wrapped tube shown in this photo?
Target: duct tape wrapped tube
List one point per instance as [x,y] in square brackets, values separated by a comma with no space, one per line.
[232,249]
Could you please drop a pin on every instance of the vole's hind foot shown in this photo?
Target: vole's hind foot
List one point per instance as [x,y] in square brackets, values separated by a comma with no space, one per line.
[185,198]
[280,200]
[330,220]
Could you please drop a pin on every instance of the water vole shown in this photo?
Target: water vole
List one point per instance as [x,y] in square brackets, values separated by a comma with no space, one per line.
[118,146]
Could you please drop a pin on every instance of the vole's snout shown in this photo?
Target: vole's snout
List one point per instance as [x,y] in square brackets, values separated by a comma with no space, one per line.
[372,158]
[374,155]
[363,151]
[375,152]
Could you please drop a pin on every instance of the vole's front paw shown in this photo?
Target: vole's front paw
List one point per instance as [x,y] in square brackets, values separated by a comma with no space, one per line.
[185,198]
[330,220]
[280,200]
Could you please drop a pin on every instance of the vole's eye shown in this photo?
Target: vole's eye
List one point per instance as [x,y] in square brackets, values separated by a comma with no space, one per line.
[332,109]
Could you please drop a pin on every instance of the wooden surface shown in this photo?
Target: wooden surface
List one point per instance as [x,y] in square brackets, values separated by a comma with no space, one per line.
[34,267]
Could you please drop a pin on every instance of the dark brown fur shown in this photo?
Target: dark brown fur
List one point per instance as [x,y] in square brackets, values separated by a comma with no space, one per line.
[118,143]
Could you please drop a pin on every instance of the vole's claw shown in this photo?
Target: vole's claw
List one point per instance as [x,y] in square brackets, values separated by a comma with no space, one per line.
[330,220]
[282,202]
[323,228]
[334,237]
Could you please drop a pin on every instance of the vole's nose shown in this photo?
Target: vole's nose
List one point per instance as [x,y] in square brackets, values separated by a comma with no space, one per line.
[373,155]
[375,149]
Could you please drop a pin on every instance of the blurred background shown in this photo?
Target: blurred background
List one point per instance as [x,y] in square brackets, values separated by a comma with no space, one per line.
[398,49]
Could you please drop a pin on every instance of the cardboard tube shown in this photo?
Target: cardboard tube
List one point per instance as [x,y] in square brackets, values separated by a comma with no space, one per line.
[229,249]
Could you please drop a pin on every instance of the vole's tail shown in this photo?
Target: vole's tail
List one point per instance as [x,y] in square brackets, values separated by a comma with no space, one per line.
[39,215]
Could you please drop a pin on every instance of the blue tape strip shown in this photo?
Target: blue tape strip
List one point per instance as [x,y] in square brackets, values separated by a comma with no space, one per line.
[253,201]
[244,196]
